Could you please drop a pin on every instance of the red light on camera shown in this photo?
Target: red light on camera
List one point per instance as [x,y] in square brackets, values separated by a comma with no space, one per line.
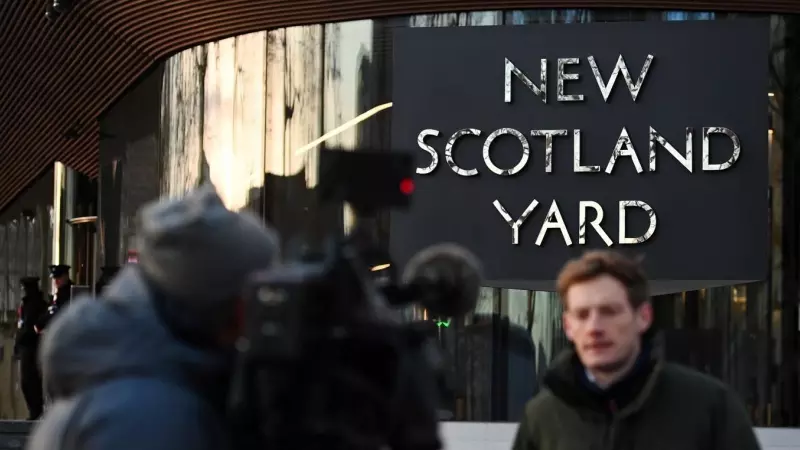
[407,186]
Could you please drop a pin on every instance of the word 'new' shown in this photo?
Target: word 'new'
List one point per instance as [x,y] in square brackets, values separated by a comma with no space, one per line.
[540,90]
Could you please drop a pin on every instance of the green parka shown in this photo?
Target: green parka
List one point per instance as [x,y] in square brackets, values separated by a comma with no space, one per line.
[659,406]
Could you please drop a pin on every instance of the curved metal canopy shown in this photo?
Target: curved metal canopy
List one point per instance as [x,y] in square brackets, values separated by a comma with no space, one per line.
[58,75]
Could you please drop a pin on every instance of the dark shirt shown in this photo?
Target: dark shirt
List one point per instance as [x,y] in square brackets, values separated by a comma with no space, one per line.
[63,295]
[59,302]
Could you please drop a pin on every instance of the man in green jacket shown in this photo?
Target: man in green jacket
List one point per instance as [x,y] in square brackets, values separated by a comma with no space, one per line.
[613,390]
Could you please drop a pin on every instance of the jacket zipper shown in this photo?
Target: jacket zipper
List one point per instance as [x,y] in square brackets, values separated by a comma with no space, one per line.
[612,428]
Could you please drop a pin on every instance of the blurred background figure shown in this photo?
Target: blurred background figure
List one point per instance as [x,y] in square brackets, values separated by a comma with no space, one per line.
[63,283]
[148,367]
[26,345]
[60,275]
[106,275]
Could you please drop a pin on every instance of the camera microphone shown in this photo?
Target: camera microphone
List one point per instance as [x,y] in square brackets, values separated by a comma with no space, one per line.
[445,278]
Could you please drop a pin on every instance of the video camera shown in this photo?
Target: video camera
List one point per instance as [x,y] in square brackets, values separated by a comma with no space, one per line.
[327,360]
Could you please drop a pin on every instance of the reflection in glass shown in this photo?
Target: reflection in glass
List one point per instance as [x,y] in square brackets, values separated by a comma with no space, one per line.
[348,54]
[4,303]
[233,121]
[303,97]
[294,119]
[23,252]
[213,120]
[181,162]
[274,157]
[218,149]
[13,273]
[348,48]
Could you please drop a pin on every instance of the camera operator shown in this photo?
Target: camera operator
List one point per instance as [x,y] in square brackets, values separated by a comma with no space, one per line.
[147,366]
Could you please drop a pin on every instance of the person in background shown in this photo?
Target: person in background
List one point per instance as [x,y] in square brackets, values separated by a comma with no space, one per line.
[613,390]
[26,344]
[148,367]
[60,275]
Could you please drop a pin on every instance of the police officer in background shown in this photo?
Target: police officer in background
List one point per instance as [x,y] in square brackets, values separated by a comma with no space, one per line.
[148,366]
[26,345]
[60,275]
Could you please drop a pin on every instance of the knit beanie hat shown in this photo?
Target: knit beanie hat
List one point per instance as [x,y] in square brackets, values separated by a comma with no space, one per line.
[198,255]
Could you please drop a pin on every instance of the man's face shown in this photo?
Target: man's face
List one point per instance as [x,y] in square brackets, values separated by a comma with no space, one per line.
[601,322]
[61,281]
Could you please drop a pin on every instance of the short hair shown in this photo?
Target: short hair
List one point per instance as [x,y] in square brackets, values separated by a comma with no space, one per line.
[596,263]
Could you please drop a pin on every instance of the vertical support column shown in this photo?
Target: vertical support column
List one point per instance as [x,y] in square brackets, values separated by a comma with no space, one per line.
[788,376]
[43,221]
[63,209]
[109,227]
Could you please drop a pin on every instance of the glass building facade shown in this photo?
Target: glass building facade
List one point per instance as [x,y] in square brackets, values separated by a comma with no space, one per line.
[241,112]
[24,252]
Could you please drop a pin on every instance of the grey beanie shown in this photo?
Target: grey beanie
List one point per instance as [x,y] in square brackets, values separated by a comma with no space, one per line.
[199,254]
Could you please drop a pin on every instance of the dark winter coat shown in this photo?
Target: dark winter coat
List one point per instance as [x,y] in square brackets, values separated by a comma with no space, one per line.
[30,312]
[659,406]
[121,380]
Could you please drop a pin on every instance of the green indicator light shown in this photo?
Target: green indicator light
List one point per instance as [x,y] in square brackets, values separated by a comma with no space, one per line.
[443,323]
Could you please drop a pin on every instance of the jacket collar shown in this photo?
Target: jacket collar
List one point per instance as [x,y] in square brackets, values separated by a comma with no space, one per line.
[568,380]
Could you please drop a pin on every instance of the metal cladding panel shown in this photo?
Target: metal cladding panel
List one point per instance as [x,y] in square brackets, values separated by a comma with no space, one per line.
[57,77]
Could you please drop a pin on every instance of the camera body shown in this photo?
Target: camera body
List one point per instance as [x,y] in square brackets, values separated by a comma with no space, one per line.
[332,365]
[327,360]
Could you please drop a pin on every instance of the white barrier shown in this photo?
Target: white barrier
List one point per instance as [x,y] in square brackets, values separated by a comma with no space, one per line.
[498,436]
